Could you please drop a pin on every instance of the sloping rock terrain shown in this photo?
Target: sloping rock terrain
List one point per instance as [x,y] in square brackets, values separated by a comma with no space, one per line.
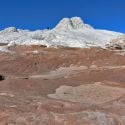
[63,86]
[64,76]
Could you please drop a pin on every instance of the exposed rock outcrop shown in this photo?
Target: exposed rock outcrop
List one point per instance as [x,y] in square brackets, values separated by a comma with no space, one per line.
[72,23]
[117,44]
[63,86]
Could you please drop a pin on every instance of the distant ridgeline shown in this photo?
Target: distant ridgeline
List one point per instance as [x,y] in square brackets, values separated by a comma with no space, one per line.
[70,32]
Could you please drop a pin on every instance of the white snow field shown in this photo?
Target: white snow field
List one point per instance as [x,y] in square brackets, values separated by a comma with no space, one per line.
[70,32]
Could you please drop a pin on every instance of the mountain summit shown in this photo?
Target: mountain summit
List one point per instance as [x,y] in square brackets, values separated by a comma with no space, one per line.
[72,23]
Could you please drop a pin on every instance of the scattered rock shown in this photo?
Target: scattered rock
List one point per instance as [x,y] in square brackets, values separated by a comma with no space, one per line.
[2,77]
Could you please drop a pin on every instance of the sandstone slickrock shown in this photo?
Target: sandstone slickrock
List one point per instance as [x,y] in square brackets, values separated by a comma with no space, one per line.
[78,86]
[73,23]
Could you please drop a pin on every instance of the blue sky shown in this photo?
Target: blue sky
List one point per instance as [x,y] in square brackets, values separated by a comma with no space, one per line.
[39,14]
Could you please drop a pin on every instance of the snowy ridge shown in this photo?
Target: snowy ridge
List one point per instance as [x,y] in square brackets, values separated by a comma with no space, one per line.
[68,33]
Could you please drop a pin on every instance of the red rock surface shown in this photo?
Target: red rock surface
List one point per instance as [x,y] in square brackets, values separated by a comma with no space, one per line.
[62,86]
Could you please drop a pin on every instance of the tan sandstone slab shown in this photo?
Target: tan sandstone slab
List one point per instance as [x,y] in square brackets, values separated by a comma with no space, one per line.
[91,93]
